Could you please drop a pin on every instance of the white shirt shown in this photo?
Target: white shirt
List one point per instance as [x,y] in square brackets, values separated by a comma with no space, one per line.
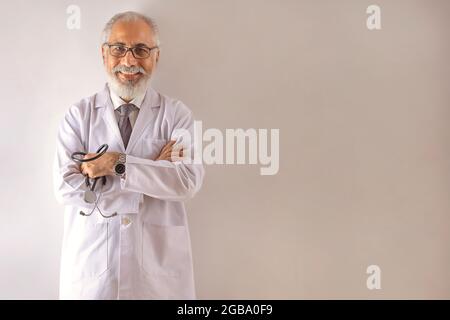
[118,101]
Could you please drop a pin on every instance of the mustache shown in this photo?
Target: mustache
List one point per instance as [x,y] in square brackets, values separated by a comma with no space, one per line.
[132,69]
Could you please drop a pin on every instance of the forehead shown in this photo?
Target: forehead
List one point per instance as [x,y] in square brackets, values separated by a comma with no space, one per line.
[132,33]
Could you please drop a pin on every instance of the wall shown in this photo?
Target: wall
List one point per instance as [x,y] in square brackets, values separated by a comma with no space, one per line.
[364,141]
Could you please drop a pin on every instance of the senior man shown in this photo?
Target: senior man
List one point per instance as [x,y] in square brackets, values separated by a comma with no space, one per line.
[126,235]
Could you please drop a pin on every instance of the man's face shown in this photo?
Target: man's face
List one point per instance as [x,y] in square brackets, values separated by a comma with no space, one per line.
[134,73]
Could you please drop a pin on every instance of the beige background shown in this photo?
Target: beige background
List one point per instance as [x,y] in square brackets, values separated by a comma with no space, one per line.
[364,141]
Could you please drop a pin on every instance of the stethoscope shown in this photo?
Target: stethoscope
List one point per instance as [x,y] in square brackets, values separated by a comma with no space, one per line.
[89,195]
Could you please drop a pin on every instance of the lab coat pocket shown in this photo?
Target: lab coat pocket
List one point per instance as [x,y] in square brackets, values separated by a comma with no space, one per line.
[165,249]
[150,147]
[91,256]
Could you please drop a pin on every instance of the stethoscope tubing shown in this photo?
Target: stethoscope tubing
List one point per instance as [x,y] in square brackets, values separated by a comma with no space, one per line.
[76,157]
[101,151]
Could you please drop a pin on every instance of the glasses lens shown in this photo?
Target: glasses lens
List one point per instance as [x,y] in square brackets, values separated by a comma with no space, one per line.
[118,50]
[141,52]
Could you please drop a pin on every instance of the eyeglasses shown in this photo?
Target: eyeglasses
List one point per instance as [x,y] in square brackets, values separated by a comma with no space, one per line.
[139,52]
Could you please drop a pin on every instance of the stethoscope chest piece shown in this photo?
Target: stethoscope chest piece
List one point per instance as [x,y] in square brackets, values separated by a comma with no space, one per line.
[90,196]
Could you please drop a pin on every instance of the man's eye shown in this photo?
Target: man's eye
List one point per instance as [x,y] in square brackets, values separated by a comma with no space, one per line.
[140,51]
[118,49]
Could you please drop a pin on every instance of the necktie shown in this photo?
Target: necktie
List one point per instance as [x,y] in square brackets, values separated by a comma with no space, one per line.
[124,122]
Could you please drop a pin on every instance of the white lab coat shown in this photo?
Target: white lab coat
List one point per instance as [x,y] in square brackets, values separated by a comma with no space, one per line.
[144,252]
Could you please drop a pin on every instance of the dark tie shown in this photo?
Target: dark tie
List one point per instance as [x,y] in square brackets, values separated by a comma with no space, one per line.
[124,122]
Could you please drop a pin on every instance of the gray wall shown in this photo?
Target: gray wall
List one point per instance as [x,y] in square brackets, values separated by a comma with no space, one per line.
[364,141]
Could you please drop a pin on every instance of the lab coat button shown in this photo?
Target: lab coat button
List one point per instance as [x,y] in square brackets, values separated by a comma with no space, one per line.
[126,221]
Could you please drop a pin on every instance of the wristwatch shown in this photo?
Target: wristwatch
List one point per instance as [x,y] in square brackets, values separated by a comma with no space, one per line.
[119,166]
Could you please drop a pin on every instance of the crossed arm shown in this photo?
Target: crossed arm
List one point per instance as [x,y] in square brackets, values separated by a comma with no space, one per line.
[104,165]
[171,180]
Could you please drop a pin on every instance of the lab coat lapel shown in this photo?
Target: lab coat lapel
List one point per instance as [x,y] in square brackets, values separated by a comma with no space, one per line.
[104,102]
[146,114]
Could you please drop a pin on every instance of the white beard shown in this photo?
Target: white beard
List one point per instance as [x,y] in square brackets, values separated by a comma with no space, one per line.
[130,90]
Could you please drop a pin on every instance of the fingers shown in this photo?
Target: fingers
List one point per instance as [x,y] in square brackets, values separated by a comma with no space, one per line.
[89,155]
[176,155]
[171,152]
[89,168]
[165,151]
[83,168]
[168,146]
[99,167]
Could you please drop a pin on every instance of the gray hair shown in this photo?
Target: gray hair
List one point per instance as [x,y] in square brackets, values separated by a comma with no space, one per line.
[129,16]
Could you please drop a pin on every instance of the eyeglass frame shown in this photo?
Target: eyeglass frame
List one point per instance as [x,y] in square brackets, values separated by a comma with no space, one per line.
[129,49]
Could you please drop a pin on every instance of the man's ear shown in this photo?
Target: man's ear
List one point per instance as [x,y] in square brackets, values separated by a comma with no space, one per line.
[157,56]
[103,54]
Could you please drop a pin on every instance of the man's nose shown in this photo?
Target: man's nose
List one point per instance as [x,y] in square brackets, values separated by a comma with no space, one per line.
[129,60]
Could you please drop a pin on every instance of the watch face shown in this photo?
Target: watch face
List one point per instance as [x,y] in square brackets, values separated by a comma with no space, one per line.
[120,168]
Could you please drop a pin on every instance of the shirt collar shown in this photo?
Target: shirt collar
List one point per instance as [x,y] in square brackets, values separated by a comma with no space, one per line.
[117,101]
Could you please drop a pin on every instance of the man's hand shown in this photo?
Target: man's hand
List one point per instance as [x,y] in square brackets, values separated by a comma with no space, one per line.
[170,152]
[102,166]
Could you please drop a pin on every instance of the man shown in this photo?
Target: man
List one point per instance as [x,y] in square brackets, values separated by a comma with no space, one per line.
[128,238]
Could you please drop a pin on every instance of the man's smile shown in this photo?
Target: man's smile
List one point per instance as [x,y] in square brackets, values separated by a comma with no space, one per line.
[125,76]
